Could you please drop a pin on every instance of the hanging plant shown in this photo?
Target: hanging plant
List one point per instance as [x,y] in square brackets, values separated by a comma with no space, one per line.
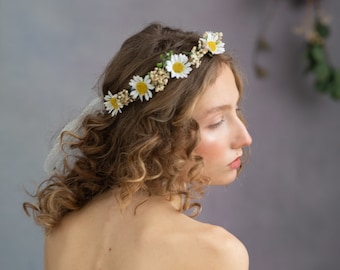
[316,30]
[327,77]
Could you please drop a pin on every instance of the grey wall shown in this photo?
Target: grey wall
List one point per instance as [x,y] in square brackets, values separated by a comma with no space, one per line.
[284,206]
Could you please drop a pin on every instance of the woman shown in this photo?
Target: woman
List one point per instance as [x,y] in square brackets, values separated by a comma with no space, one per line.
[122,176]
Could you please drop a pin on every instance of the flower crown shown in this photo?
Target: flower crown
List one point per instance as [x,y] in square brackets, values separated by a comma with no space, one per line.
[172,65]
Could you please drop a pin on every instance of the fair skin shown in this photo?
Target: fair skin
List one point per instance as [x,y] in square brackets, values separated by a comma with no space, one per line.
[102,236]
[223,135]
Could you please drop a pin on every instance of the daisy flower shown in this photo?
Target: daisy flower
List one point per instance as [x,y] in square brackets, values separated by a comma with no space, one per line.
[178,66]
[112,104]
[214,42]
[141,87]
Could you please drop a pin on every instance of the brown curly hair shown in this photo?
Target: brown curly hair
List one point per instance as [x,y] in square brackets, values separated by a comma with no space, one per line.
[148,146]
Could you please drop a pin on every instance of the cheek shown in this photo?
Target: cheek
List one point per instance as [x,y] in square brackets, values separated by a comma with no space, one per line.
[210,146]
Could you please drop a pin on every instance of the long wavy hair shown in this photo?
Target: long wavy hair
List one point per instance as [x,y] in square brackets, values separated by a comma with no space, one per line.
[145,148]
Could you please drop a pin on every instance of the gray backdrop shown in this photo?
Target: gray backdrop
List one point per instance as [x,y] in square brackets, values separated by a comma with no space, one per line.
[284,206]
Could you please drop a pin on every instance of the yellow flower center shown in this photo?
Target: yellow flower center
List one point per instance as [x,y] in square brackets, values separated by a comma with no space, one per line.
[114,103]
[212,45]
[141,88]
[178,67]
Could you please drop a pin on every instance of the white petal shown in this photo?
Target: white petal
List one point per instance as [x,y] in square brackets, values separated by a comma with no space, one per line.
[134,94]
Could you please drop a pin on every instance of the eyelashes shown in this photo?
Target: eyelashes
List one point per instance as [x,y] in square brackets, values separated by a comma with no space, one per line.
[216,125]
[219,123]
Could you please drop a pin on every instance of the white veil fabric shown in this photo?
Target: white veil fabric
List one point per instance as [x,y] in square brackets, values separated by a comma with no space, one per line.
[54,163]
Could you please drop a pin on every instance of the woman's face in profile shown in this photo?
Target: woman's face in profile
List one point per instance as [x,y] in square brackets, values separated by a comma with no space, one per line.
[222,133]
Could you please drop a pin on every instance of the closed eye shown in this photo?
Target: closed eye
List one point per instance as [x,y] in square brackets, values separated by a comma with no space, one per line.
[216,125]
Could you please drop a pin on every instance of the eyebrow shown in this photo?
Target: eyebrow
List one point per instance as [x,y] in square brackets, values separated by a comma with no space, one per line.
[224,106]
[207,113]
[218,109]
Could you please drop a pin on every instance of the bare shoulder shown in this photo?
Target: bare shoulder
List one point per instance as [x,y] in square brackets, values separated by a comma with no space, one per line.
[193,245]
[216,248]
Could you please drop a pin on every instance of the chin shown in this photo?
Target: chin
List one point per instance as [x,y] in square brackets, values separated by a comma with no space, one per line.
[223,180]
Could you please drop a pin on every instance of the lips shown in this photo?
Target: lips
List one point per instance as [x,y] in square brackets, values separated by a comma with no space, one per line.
[235,164]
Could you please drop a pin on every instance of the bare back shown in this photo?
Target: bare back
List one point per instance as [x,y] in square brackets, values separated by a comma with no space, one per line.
[101,236]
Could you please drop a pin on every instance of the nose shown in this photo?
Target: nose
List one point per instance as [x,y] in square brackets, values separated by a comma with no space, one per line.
[242,137]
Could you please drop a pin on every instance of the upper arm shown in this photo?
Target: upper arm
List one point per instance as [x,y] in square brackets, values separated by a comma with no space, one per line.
[221,250]
[233,255]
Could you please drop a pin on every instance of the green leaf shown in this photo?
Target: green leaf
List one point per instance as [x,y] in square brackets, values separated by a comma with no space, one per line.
[322,72]
[322,29]
[337,76]
[335,91]
[318,53]
[336,94]
[308,55]
[321,86]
